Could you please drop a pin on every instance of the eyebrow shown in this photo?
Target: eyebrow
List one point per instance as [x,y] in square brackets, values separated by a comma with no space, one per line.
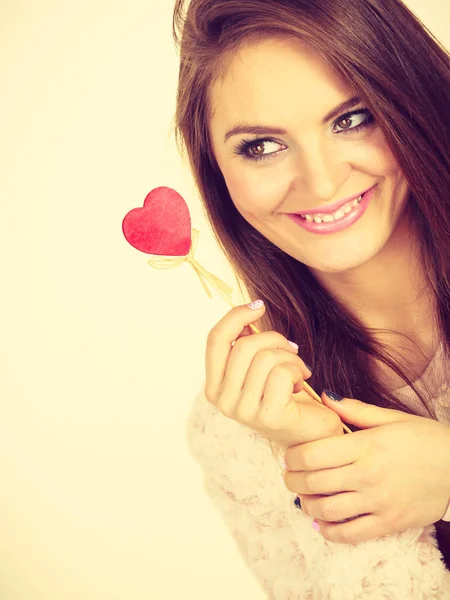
[263,129]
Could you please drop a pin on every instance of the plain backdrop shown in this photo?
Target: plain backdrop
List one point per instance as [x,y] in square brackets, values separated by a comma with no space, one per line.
[100,354]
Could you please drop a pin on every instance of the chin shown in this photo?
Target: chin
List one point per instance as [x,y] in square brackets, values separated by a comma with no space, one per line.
[340,264]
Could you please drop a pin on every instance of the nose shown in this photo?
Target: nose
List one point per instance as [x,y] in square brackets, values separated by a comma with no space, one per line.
[321,172]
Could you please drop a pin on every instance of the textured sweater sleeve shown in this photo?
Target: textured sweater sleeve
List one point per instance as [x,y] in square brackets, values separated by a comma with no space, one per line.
[290,560]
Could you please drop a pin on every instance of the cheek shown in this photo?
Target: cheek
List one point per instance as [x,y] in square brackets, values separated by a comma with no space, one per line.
[251,191]
[380,158]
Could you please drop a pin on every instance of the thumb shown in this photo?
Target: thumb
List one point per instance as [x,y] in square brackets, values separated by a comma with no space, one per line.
[359,413]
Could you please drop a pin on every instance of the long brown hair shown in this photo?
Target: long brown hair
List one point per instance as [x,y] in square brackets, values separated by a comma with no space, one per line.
[402,74]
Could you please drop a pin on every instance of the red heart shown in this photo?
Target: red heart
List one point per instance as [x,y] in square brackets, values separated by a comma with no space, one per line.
[162,226]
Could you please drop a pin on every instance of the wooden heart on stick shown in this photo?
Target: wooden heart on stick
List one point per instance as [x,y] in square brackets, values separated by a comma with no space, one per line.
[162,226]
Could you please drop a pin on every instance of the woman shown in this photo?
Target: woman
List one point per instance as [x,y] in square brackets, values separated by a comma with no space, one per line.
[318,133]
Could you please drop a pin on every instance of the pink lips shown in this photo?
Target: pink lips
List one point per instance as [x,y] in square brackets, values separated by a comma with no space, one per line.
[330,208]
[335,226]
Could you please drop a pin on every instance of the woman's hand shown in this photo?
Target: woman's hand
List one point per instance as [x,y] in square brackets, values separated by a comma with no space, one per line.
[395,472]
[253,381]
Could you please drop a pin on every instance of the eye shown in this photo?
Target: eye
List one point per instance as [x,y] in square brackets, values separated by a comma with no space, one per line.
[353,121]
[254,150]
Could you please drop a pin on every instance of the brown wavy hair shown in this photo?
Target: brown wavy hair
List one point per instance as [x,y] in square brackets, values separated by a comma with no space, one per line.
[402,74]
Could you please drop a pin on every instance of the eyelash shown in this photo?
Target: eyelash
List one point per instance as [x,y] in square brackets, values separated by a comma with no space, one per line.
[243,147]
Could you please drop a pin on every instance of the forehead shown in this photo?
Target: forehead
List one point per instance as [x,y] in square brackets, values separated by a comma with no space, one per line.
[274,77]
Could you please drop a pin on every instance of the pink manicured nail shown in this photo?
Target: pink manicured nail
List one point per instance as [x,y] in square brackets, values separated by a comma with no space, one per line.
[256,304]
[315,525]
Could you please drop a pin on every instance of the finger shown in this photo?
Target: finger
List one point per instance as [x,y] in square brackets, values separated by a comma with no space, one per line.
[222,358]
[362,529]
[257,353]
[254,387]
[298,385]
[278,392]
[330,452]
[335,508]
[218,345]
[244,333]
[324,482]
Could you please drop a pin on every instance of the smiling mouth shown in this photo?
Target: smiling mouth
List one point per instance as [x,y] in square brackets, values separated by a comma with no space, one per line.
[334,216]
[336,209]
[345,216]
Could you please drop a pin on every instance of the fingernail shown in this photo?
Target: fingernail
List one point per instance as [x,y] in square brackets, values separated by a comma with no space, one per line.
[297,503]
[293,344]
[333,395]
[256,304]
[315,525]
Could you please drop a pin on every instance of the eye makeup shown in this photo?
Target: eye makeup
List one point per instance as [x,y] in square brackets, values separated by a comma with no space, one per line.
[245,145]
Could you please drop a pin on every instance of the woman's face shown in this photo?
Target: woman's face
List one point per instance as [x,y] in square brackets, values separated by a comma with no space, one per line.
[311,161]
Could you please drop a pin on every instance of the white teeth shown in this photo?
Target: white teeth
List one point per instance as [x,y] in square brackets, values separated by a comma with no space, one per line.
[328,218]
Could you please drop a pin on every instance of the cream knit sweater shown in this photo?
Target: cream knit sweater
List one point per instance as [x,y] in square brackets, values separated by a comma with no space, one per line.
[288,557]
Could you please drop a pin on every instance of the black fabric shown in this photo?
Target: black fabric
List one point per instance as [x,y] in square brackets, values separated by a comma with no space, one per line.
[443,540]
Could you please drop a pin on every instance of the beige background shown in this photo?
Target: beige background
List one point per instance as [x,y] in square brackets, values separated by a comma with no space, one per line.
[100,354]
